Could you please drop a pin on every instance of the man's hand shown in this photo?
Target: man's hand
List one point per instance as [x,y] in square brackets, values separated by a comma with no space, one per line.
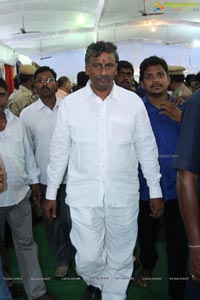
[157,207]
[194,263]
[179,100]
[36,191]
[49,209]
[171,110]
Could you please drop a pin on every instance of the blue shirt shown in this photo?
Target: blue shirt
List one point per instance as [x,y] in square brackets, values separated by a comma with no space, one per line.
[166,132]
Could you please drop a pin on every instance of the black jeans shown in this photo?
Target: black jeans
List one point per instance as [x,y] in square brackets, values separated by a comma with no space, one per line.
[177,253]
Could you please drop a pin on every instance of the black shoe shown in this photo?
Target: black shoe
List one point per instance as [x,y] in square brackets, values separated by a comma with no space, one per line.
[46,296]
[92,293]
[16,290]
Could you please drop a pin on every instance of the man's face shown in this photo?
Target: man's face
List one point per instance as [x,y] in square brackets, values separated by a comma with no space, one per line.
[45,84]
[155,81]
[102,70]
[3,99]
[68,86]
[124,78]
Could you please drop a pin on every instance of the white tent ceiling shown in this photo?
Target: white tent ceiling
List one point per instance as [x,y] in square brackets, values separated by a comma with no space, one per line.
[56,24]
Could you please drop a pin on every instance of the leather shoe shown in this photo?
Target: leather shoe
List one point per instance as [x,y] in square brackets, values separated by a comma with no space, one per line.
[46,296]
[92,293]
[16,290]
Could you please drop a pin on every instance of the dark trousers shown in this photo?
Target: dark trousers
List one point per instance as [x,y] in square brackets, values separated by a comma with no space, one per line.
[177,253]
[58,231]
[192,291]
[4,256]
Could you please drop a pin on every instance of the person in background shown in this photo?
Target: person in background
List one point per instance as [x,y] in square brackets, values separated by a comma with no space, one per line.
[125,75]
[195,82]
[187,162]
[82,79]
[24,96]
[177,85]
[64,87]
[39,119]
[188,79]
[12,95]
[165,119]
[101,133]
[20,172]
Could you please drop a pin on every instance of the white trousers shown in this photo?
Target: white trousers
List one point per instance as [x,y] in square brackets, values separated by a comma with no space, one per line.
[105,239]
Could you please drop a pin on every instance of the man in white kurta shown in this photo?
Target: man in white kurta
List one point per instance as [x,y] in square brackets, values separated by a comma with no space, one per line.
[102,133]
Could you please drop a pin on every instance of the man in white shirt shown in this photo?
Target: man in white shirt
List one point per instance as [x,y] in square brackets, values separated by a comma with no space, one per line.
[39,119]
[20,171]
[101,133]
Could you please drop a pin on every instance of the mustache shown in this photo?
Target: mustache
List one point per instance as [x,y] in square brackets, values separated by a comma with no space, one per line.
[125,81]
[45,88]
[102,77]
[156,85]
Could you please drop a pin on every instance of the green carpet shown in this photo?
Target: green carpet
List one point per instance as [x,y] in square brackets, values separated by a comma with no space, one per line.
[72,287]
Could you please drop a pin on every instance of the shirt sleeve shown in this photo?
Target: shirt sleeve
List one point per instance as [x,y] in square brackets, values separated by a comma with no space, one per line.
[59,152]
[31,168]
[187,155]
[24,116]
[147,152]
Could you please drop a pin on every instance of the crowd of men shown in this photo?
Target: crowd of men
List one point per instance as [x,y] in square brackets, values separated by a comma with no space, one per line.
[102,163]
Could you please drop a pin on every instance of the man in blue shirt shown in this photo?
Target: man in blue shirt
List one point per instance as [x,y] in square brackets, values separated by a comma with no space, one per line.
[164,117]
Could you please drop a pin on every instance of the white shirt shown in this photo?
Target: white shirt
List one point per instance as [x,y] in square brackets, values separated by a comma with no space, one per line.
[17,161]
[39,121]
[103,141]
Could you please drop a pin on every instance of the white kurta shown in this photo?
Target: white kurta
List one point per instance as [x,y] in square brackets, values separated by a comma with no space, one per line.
[103,142]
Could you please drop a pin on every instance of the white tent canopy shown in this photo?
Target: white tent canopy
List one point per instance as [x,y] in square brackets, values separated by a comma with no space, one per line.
[47,27]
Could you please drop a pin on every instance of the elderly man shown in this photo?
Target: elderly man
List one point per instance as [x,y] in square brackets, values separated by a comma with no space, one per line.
[64,87]
[102,132]
[20,171]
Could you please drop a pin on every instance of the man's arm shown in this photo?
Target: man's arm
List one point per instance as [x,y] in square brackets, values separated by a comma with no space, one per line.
[147,153]
[190,211]
[59,155]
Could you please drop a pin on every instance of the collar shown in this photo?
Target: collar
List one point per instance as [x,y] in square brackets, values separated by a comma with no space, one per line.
[90,93]
[145,99]
[40,105]
[9,115]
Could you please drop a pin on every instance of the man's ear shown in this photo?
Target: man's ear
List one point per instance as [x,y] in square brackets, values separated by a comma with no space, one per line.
[168,80]
[142,85]
[86,70]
